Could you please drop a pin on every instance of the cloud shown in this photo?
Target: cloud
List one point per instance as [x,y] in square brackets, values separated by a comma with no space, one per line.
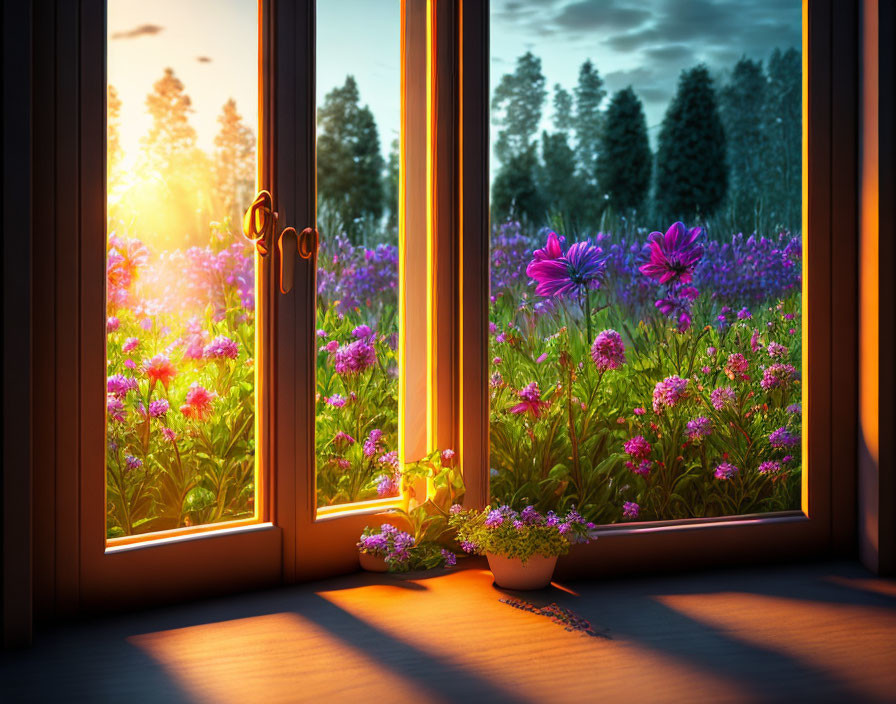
[204,59]
[589,15]
[141,31]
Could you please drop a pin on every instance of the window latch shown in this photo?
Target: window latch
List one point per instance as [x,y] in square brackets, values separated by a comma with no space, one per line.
[258,222]
[304,243]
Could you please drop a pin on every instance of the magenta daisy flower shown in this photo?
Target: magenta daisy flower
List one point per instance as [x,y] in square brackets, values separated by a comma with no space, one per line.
[673,256]
[582,266]
[530,400]
[608,352]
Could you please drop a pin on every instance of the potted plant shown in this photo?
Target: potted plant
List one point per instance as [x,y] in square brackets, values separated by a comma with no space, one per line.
[522,547]
[437,480]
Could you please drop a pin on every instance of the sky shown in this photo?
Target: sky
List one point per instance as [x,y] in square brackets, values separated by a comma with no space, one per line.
[211,45]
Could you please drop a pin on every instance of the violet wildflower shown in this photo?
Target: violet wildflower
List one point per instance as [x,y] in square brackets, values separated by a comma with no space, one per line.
[158,408]
[337,400]
[494,519]
[115,408]
[330,347]
[630,509]
[133,462]
[390,458]
[674,255]
[342,439]
[711,351]
[643,467]
[607,351]
[782,437]
[119,385]
[455,509]
[770,467]
[543,356]
[371,444]
[530,515]
[386,485]
[744,314]
[699,428]
[778,376]
[169,434]
[754,341]
[354,357]
[323,334]
[726,470]
[551,519]
[222,347]
[668,392]
[362,331]
[468,546]
[795,408]
[722,398]
[496,361]
[449,557]
[557,273]
[639,411]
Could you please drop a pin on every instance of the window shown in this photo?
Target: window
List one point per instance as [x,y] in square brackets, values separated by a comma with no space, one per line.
[646,261]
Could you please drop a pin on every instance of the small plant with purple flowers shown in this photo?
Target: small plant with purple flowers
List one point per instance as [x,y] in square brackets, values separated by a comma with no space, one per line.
[519,534]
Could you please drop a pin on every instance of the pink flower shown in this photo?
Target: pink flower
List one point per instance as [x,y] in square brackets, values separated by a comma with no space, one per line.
[198,402]
[726,470]
[637,447]
[354,357]
[674,255]
[130,364]
[639,411]
[115,408]
[699,428]
[667,393]
[342,439]
[222,347]
[722,398]
[112,324]
[737,366]
[776,350]
[119,385]
[130,344]
[630,509]
[530,400]
[778,376]
[169,434]
[159,369]
[448,456]
[607,351]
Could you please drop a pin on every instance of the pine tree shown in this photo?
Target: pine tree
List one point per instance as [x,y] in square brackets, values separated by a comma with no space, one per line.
[391,183]
[349,162]
[741,101]
[558,183]
[516,107]
[114,152]
[234,161]
[691,164]
[589,94]
[515,190]
[171,136]
[624,162]
[564,117]
[782,123]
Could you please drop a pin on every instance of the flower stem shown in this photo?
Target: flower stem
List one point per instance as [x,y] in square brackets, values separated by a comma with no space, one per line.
[587,295]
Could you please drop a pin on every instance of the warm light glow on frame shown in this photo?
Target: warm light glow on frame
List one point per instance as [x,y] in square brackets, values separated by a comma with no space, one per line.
[806,245]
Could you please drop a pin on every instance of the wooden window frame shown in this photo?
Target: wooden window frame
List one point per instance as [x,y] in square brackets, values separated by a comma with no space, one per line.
[826,522]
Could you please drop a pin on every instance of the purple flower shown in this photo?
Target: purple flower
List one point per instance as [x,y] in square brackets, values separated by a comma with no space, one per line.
[362,331]
[776,350]
[639,411]
[543,356]
[669,392]
[699,428]
[782,438]
[630,509]
[115,408]
[112,324]
[330,347]
[390,458]
[530,516]
[343,439]
[130,344]
[449,557]
[158,408]
[496,361]
[455,509]
[643,467]
[711,351]
[744,314]
[795,408]
[778,376]
[321,333]
[722,398]
[674,255]
[133,462]
[354,357]
[371,444]
[222,347]
[494,519]
[737,366]
[448,456]
[551,519]
[387,485]
[119,385]
[468,546]
[582,266]
[637,447]
[608,352]
[770,467]
[726,470]
[169,434]
[336,400]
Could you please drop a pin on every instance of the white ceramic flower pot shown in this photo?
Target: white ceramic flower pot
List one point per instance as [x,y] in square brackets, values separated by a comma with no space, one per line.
[511,573]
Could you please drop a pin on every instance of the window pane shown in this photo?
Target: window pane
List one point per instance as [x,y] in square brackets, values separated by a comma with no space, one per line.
[180,289]
[358,127]
[646,258]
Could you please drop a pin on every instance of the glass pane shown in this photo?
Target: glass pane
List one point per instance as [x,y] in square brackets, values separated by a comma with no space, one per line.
[180,289]
[358,128]
[646,259]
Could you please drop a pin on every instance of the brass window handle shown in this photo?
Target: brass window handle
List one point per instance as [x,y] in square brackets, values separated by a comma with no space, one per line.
[304,243]
[258,222]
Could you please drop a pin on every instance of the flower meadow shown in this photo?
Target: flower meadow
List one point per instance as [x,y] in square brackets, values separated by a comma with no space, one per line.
[634,377]
[645,377]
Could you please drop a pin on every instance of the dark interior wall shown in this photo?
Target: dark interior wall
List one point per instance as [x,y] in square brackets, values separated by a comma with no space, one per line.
[17,324]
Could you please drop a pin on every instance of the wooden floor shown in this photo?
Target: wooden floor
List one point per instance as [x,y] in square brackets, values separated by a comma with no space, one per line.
[801,634]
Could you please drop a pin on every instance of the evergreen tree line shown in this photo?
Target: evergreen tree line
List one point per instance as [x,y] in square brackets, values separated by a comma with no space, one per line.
[727,156]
